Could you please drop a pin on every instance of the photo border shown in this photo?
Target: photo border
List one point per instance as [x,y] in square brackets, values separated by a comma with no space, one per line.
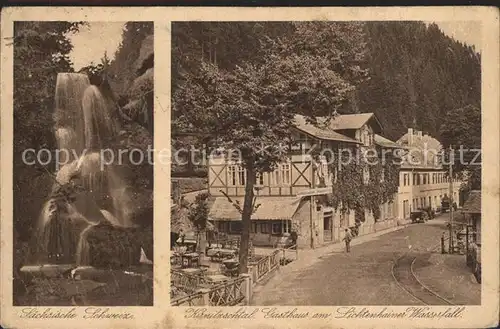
[162,315]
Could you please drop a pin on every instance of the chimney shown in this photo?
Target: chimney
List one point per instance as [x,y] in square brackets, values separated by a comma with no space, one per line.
[410,136]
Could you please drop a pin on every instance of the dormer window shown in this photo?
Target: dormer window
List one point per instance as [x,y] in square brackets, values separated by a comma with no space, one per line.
[366,138]
[282,175]
[236,175]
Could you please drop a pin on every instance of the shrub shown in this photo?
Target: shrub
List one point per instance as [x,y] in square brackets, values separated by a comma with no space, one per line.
[117,247]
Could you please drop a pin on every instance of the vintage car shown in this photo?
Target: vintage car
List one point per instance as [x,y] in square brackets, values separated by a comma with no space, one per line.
[419,216]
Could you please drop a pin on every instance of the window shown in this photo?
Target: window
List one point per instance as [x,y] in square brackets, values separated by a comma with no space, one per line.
[235,227]
[366,138]
[405,179]
[287,227]
[241,175]
[424,179]
[265,228]
[276,228]
[253,227]
[282,175]
[325,172]
[259,179]
[382,175]
[223,227]
[285,173]
[231,175]
[236,175]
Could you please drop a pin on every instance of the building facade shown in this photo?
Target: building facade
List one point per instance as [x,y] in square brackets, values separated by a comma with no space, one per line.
[294,197]
[423,181]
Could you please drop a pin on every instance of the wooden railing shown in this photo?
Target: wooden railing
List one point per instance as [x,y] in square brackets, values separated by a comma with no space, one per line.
[267,265]
[188,283]
[230,293]
[292,251]
[195,299]
[227,294]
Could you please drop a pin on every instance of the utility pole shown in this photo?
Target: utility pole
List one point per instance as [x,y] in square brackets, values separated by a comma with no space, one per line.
[451,201]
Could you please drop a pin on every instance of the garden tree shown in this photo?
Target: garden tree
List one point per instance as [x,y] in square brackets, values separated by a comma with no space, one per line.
[198,214]
[461,128]
[40,52]
[248,111]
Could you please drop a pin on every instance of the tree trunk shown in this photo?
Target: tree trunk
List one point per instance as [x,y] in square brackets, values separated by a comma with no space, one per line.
[246,218]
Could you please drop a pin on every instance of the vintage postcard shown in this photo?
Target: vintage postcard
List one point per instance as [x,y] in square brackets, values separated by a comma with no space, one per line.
[284,167]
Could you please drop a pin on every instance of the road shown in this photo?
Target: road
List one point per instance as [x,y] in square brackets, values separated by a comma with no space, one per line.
[362,277]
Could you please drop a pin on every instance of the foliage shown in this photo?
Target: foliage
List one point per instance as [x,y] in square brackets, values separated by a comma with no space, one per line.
[417,75]
[461,128]
[116,247]
[353,193]
[198,213]
[249,107]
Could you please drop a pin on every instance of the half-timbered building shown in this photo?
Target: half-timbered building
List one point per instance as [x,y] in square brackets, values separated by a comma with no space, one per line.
[292,197]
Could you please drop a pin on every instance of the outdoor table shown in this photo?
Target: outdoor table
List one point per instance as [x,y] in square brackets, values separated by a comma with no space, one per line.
[216,279]
[230,263]
[221,253]
[192,271]
[190,260]
[230,267]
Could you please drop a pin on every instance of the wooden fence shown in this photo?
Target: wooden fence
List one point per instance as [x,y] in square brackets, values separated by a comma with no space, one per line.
[188,283]
[232,292]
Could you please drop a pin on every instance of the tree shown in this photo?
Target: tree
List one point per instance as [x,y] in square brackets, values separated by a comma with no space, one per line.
[461,129]
[417,75]
[248,111]
[123,70]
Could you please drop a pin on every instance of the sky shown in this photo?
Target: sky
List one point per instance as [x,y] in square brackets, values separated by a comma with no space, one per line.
[464,31]
[90,43]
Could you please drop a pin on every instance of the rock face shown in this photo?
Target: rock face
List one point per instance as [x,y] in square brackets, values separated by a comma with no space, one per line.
[119,247]
[141,93]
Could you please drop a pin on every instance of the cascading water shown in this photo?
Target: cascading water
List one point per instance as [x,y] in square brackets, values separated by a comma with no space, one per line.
[84,127]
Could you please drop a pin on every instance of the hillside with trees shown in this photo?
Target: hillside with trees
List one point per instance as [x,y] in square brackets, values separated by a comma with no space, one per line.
[417,74]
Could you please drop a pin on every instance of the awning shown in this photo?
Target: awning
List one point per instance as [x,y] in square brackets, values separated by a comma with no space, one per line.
[270,208]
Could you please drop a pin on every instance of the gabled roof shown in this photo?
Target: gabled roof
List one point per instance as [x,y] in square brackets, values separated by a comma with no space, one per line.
[319,131]
[355,121]
[387,143]
[473,203]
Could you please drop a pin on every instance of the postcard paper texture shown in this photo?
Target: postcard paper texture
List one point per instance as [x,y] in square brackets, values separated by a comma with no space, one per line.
[251,167]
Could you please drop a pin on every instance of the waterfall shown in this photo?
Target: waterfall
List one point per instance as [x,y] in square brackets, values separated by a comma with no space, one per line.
[83,248]
[68,114]
[84,127]
[99,125]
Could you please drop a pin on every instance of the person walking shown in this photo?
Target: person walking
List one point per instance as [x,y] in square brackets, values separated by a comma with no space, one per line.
[347,238]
